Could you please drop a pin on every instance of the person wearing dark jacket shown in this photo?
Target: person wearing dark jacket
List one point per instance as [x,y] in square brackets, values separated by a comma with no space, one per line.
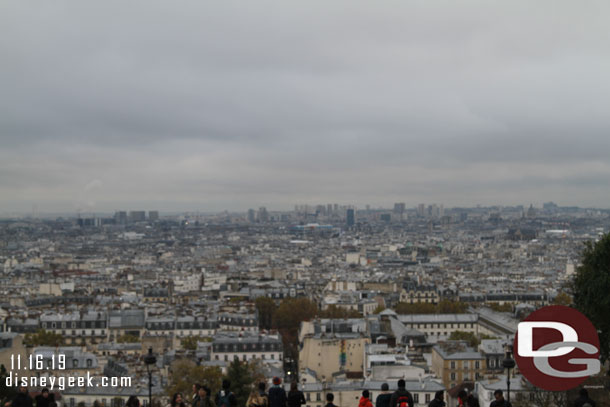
[329,400]
[203,397]
[44,398]
[365,400]
[277,394]
[225,397]
[438,400]
[401,396]
[472,401]
[383,400]
[583,399]
[22,399]
[296,398]
[499,401]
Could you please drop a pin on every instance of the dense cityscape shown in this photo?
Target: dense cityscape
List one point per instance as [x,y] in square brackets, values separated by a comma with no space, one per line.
[333,297]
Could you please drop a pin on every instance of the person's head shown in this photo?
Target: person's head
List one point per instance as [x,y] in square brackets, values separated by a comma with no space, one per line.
[385,387]
[133,401]
[52,404]
[226,384]
[365,394]
[45,392]
[401,383]
[23,389]
[177,399]
[195,388]
[583,392]
[207,390]
[262,386]
[498,394]
[277,381]
[439,395]
[462,395]
[293,386]
[330,397]
[201,391]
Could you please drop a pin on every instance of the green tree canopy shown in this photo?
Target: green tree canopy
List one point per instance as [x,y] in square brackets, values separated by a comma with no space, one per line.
[128,339]
[190,342]
[43,338]
[243,377]
[591,286]
[184,373]
[287,320]
[465,336]
[266,309]
[443,307]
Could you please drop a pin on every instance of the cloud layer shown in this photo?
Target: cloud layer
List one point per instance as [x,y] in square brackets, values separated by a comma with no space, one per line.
[187,105]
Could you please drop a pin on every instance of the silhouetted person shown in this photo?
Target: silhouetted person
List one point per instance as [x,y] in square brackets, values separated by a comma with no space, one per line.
[499,401]
[225,397]
[22,399]
[295,397]
[277,394]
[401,397]
[44,398]
[383,400]
[583,399]
[438,400]
[329,400]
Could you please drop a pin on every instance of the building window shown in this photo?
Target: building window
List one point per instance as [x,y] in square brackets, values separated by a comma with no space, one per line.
[427,397]
[452,376]
[416,397]
[477,365]
[74,362]
[453,365]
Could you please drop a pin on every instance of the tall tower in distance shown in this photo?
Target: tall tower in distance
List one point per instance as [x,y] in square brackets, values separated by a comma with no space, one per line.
[351,218]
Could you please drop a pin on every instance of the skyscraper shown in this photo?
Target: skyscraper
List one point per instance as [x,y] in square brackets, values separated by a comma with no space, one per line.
[263,216]
[350,218]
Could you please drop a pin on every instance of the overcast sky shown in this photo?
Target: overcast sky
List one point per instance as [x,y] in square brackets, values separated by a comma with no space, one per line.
[212,105]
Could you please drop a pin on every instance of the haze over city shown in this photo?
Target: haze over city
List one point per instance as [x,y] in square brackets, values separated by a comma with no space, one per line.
[237,105]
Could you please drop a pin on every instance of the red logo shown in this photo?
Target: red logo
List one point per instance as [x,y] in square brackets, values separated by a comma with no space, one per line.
[556,348]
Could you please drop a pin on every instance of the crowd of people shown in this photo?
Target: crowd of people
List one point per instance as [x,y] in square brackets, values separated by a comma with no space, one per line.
[276,396]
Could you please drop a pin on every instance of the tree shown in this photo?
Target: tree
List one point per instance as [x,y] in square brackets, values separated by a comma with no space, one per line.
[379,309]
[471,338]
[128,339]
[506,307]
[190,342]
[415,308]
[287,320]
[591,286]
[338,312]
[451,307]
[241,375]
[43,338]
[562,299]
[184,373]
[266,309]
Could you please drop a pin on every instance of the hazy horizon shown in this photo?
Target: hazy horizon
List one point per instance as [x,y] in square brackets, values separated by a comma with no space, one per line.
[156,105]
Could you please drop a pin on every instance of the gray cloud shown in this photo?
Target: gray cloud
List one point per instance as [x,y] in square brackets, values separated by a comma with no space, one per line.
[233,105]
